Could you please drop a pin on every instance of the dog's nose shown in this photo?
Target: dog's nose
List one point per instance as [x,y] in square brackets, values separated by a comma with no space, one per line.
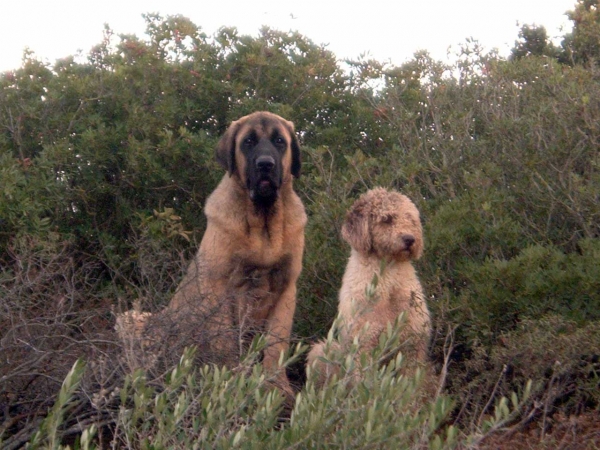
[265,163]
[408,240]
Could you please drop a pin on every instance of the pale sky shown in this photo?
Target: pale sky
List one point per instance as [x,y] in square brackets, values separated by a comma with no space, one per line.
[387,30]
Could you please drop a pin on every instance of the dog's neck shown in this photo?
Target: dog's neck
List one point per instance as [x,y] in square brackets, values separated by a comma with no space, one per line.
[375,264]
[270,218]
[269,221]
[260,215]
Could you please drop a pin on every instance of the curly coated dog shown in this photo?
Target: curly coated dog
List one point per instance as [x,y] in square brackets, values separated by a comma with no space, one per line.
[384,230]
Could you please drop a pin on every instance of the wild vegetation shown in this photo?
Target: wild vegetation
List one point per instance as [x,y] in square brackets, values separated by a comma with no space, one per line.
[105,164]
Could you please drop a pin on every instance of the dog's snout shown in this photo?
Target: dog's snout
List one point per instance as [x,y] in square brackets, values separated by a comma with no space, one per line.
[265,163]
[408,240]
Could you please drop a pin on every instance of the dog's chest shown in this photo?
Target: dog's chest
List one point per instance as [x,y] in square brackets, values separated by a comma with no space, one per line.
[364,287]
[273,277]
[256,282]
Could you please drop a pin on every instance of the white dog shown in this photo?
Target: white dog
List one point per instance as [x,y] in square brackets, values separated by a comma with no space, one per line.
[384,230]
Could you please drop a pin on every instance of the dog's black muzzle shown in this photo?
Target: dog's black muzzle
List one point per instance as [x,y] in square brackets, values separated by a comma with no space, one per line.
[265,164]
[264,173]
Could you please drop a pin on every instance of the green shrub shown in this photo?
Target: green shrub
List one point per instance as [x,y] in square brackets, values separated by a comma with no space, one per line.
[560,357]
[541,280]
[212,407]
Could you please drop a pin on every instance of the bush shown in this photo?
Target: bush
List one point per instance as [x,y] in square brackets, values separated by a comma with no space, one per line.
[105,165]
[218,408]
[560,357]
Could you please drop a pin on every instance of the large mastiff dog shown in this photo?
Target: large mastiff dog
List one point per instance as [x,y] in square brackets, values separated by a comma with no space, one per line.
[243,278]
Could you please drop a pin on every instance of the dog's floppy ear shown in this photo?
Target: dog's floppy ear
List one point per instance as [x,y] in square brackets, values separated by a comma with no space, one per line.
[295,169]
[225,151]
[356,228]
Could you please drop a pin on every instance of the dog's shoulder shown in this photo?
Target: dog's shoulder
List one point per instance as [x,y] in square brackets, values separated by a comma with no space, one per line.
[357,276]
[294,210]
[225,205]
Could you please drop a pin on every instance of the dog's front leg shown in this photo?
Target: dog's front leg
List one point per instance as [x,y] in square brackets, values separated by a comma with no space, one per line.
[279,327]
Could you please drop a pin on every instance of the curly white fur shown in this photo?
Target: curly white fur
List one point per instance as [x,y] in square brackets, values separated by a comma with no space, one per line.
[382,226]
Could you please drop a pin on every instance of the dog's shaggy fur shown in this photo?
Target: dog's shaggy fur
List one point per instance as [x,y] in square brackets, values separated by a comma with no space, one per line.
[243,278]
[384,230]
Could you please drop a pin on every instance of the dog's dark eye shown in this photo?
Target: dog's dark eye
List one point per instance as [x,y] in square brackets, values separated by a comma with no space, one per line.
[389,219]
[279,141]
[249,142]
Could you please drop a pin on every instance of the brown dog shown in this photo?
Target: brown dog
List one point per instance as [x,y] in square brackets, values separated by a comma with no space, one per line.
[243,278]
[381,226]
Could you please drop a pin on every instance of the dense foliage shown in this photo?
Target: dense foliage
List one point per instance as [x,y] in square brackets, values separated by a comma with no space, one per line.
[105,165]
